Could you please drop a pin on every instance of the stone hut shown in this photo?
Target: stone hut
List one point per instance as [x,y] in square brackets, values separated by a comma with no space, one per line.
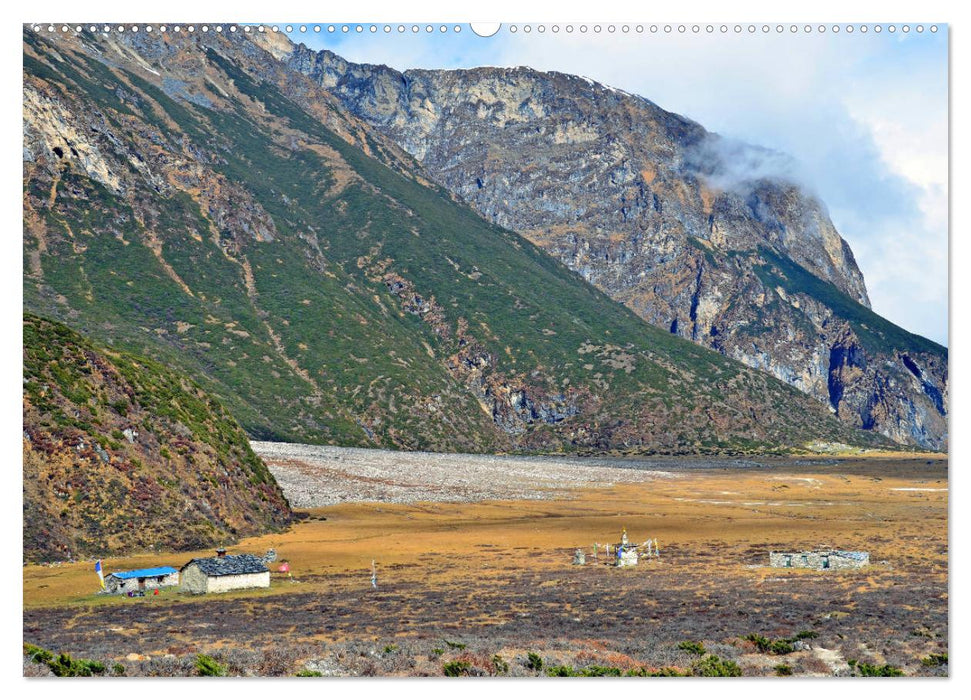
[141,579]
[224,572]
[819,559]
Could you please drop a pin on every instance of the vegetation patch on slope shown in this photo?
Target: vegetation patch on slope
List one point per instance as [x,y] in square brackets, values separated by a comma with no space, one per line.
[122,454]
[877,334]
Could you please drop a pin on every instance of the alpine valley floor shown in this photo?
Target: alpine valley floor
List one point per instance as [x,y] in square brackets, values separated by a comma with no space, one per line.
[475,587]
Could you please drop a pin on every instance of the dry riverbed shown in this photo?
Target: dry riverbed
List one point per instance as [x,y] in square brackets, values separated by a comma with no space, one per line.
[313,476]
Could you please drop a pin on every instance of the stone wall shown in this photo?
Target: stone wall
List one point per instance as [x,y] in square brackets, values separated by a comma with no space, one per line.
[193,580]
[819,560]
[220,584]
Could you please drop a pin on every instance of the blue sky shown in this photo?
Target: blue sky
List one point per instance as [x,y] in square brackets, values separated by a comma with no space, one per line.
[865,115]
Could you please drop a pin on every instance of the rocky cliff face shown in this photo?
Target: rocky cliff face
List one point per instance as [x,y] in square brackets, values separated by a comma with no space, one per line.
[682,226]
[121,454]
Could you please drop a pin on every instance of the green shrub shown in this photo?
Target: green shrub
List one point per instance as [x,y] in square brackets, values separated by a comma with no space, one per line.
[692,647]
[770,646]
[712,666]
[500,664]
[454,669]
[87,667]
[806,634]
[455,645]
[667,672]
[761,643]
[534,662]
[588,672]
[391,649]
[37,654]
[208,666]
[934,660]
[599,671]
[307,673]
[118,669]
[783,670]
[437,651]
[865,669]
[63,665]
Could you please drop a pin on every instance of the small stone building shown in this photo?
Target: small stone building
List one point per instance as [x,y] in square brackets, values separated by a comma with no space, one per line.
[141,579]
[819,559]
[224,572]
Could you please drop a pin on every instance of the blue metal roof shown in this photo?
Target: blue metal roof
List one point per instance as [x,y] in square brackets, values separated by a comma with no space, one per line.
[144,573]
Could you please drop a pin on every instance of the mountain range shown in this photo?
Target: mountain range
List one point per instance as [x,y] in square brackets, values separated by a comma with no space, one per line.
[485,260]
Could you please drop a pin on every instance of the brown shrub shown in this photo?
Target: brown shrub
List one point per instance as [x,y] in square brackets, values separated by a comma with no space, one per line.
[277,661]
[812,664]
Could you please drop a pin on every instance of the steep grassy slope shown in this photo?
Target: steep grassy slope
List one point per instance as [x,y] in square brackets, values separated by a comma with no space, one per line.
[201,212]
[122,454]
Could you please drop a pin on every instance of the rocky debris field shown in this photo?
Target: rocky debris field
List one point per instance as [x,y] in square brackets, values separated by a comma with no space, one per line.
[313,476]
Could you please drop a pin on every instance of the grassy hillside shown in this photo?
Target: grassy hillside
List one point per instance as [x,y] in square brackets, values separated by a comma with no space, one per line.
[121,453]
[325,297]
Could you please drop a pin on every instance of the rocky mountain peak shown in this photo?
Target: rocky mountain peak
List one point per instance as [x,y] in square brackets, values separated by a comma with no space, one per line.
[601,144]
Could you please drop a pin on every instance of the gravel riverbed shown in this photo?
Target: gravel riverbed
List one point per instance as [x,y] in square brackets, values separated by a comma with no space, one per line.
[312,476]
